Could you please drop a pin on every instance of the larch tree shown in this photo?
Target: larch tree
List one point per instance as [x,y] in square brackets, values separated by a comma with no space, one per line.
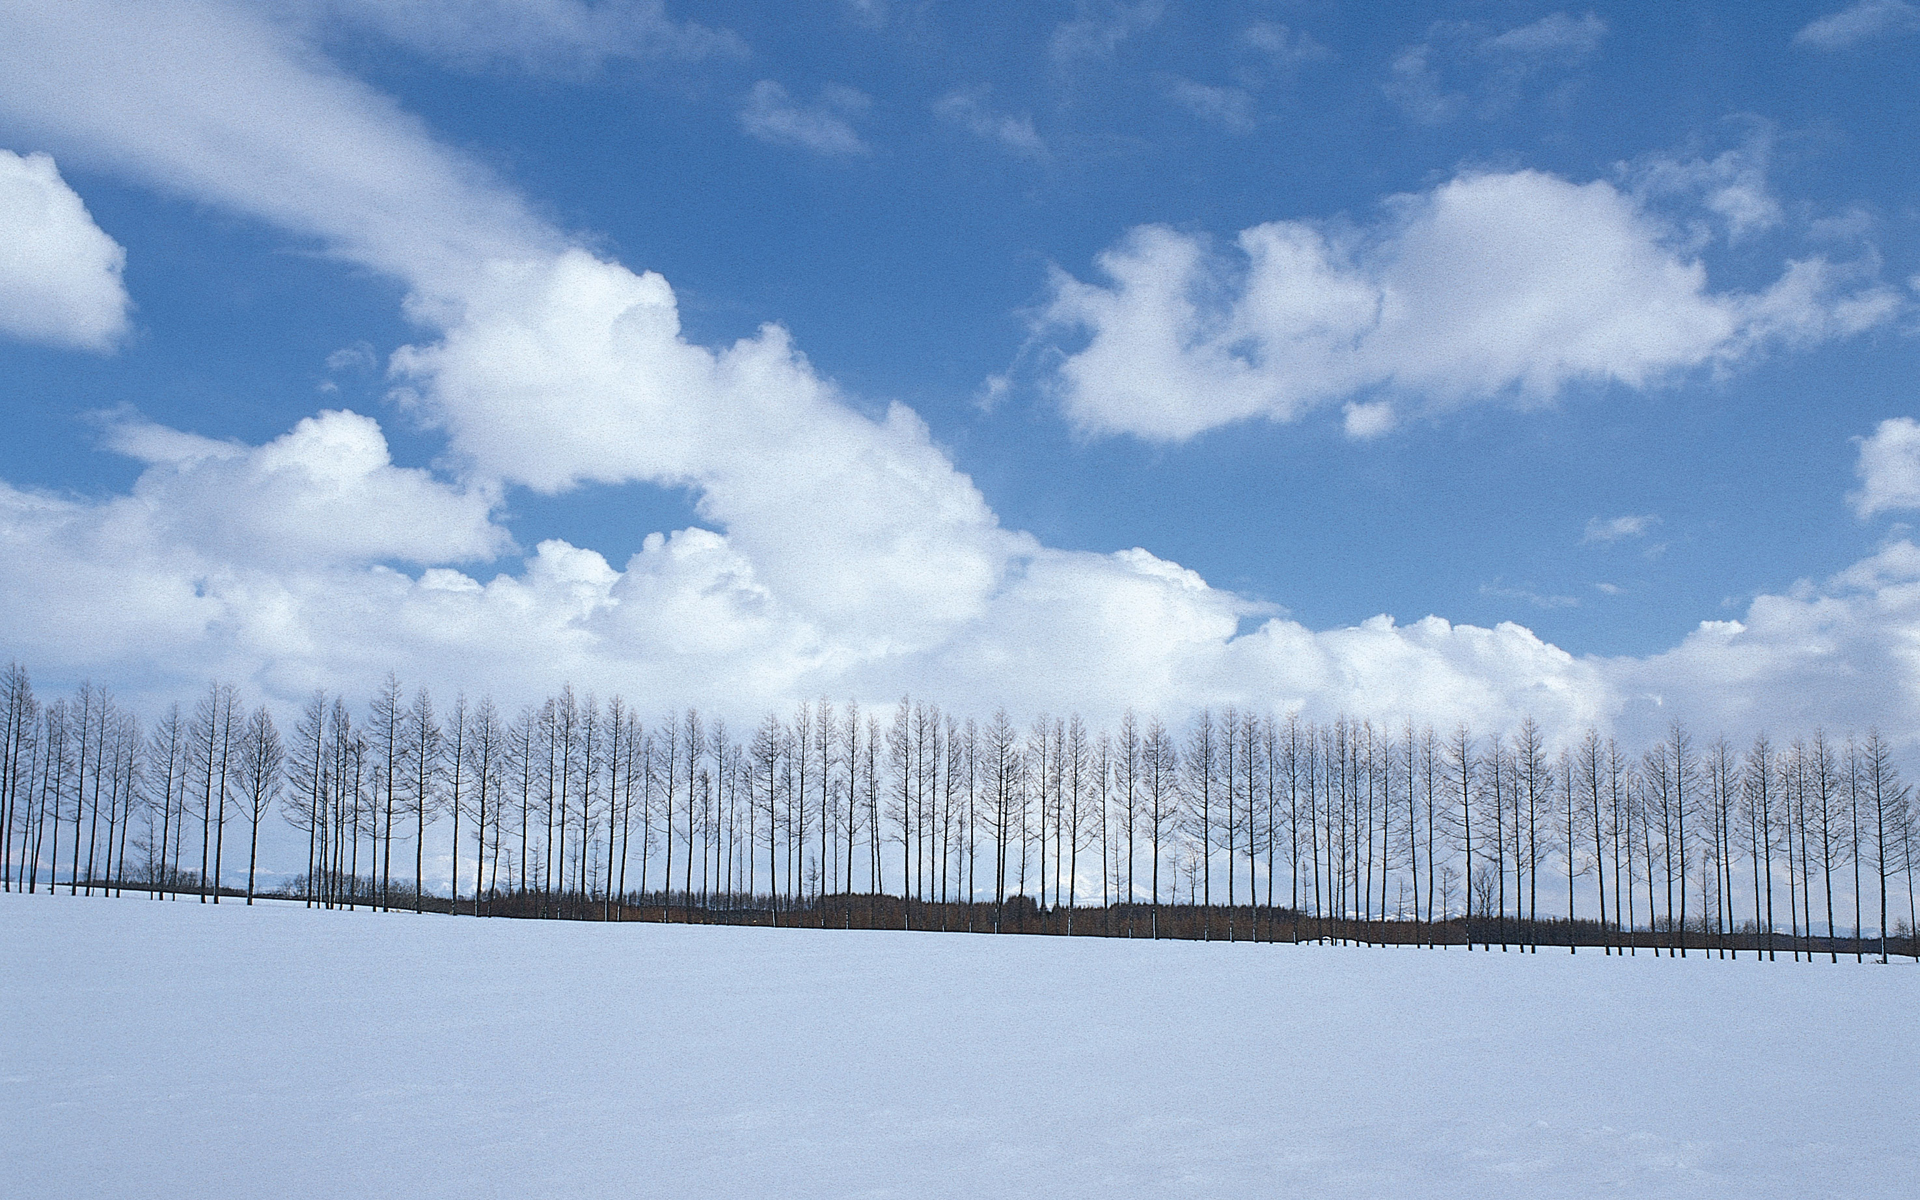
[425,767]
[1758,809]
[387,721]
[1197,784]
[19,712]
[262,757]
[1887,810]
[1462,785]
[1160,780]
[167,753]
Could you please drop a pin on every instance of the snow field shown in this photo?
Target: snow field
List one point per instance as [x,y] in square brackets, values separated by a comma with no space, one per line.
[181,1050]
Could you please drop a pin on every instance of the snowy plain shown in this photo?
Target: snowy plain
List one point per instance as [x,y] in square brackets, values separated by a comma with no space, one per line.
[181,1050]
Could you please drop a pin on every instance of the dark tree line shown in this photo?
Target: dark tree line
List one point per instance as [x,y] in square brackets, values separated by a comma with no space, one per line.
[1238,825]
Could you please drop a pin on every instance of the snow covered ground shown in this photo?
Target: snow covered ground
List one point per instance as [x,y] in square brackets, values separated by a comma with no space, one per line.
[178,1050]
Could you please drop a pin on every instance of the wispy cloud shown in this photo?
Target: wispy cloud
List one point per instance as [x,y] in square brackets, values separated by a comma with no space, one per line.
[1230,108]
[968,109]
[1866,21]
[1487,70]
[1282,44]
[545,37]
[1607,530]
[1732,185]
[1364,422]
[357,357]
[1556,35]
[1099,28]
[1499,591]
[870,13]
[824,126]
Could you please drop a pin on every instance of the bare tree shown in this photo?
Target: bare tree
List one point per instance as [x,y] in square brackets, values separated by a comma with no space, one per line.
[1198,785]
[212,735]
[167,751]
[1462,784]
[1759,808]
[425,767]
[261,758]
[19,712]
[388,724]
[1887,810]
[1160,780]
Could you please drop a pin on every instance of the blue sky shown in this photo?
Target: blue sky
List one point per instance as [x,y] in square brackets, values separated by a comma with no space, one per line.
[1578,318]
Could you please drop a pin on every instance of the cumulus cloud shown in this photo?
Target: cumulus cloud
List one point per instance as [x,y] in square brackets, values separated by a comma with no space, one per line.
[327,490]
[1606,530]
[1508,286]
[1842,652]
[968,109]
[59,274]
[1889,469]
[824,126]
[1867,21]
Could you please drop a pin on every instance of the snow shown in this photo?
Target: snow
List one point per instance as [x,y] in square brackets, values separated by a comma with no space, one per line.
[176,1049]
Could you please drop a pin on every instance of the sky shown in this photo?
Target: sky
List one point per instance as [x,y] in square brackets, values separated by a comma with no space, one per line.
[1442,361]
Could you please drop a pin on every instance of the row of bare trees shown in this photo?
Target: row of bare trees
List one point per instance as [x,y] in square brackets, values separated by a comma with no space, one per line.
[1260,825]
[80,778]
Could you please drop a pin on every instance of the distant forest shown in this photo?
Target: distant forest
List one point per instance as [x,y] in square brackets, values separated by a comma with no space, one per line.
[1236,825]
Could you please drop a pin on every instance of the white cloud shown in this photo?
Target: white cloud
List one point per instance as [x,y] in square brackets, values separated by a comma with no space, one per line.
[1858,23]
[1731,185]
[1489,71]
[357,357]
[871,14]
[1889,468]
[1101,26]
[1554,35]
[1607,530]
[327,490]
[59,274]
[1371,420]
[968,109]
[1229,107]
[824,126]
[1508,286]
[221,105]
[1843,653]
[1538,599]
[548,37]
[1415,86]
[1282,44]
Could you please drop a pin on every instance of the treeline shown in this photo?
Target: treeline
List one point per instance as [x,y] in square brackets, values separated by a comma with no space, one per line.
[1240,825]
